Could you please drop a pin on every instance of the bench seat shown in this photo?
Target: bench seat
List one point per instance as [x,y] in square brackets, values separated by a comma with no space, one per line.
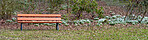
[39,21]
[39,18]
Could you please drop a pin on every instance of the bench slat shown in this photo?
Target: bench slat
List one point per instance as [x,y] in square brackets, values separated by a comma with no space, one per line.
[39,21]
[38,18]
[39,15]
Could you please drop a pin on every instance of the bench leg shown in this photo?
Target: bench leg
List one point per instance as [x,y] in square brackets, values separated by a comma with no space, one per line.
[57,26]
[21,26]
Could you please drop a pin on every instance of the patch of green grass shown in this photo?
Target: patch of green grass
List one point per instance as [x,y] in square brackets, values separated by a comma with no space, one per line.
[115,33]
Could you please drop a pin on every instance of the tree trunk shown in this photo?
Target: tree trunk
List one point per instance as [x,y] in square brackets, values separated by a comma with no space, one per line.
[93,15]
[128,10]
[143,16]
[67,6]
[79,14]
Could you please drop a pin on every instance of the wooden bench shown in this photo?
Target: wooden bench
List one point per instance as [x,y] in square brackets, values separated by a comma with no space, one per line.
[39,18]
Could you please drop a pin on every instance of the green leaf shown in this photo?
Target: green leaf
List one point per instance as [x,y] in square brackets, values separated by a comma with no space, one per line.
[113,13]
[99,24]
[14,19]
[107,17]
[66,24]
[91,20]
[9,21]
[76,24]
[60,24]
[96,18]
[88,21]
[132,21]
[110,11]
[101,20]
[116,16]
[112,23]
[81,22]
[36,24]
[63,22]
[48,8]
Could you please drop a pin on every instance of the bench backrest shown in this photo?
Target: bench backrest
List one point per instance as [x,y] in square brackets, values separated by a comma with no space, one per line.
[39,18]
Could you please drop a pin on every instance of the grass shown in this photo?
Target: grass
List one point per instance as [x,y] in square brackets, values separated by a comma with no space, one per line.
[115,33]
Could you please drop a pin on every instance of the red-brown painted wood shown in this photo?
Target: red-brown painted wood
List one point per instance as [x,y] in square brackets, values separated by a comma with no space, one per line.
[39,21]
[39,15]
[38,18]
